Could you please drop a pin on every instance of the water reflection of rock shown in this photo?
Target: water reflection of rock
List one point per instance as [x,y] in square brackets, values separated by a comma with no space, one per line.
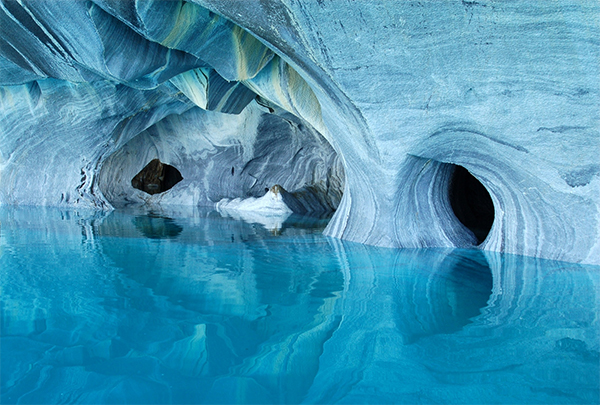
[457,288]
[534,341]
[198,318]
[251,302]
[157,227]
[277,222]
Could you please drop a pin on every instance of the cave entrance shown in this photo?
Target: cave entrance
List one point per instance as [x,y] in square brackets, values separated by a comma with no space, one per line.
[471,203]
[156,177]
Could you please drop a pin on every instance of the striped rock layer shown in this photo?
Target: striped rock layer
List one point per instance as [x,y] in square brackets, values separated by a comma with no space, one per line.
[378,100]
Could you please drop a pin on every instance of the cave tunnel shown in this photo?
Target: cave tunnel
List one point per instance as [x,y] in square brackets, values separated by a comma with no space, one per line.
[471,203]
[156,177]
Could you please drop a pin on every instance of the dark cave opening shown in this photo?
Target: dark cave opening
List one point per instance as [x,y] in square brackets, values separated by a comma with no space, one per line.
[156,177]
[471,203]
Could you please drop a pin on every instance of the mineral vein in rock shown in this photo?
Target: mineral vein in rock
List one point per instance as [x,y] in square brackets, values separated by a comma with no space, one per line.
[377,100]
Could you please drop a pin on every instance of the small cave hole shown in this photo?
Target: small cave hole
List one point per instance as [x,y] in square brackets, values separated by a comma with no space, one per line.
[471,203]
[156,177]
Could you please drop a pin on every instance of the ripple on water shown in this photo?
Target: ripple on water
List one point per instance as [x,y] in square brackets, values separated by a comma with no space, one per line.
[137,307]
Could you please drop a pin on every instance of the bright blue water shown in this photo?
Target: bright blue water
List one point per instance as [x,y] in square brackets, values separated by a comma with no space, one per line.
[131,307]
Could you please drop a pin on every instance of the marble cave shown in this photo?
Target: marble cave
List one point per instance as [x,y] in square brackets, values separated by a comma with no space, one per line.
[417,123]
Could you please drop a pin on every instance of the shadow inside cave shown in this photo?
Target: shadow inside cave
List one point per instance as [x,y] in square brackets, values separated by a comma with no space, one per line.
[471,203]
[156,177]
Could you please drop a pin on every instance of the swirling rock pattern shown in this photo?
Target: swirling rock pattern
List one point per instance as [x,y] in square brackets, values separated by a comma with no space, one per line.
[216,311]
[395,93]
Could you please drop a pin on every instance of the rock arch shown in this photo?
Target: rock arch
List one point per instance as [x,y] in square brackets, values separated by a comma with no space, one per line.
[395,104]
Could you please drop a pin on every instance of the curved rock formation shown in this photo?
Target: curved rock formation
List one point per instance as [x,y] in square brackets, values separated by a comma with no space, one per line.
[398,94]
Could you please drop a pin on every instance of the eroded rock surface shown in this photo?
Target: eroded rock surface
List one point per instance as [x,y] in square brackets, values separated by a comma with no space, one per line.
[379,99]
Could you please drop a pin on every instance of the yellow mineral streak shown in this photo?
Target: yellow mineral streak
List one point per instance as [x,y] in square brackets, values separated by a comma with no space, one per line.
[187,18]
[251,54]
[282,85]
[194,84]
[304,99]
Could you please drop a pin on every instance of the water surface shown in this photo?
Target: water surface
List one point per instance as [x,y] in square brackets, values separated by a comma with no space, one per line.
[190,307]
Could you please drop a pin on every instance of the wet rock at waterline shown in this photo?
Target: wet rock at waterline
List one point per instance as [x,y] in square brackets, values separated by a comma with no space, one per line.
[271,204]
[279,202]
[380,100]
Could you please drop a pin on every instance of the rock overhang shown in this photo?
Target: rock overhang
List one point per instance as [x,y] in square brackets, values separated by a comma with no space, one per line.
[508,91]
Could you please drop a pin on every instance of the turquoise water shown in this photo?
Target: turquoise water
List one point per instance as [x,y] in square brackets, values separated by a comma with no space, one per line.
[191,307]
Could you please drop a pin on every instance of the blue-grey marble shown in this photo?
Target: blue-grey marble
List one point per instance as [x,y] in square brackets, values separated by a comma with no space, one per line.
[390,95]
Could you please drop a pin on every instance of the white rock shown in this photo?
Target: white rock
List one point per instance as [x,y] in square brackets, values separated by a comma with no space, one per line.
[269,210]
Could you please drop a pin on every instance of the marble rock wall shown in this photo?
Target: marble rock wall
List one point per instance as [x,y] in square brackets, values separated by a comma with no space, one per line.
[225,156]
[394,94]
[509,90]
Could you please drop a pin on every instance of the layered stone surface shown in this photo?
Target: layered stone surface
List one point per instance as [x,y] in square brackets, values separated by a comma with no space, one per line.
[380,99]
